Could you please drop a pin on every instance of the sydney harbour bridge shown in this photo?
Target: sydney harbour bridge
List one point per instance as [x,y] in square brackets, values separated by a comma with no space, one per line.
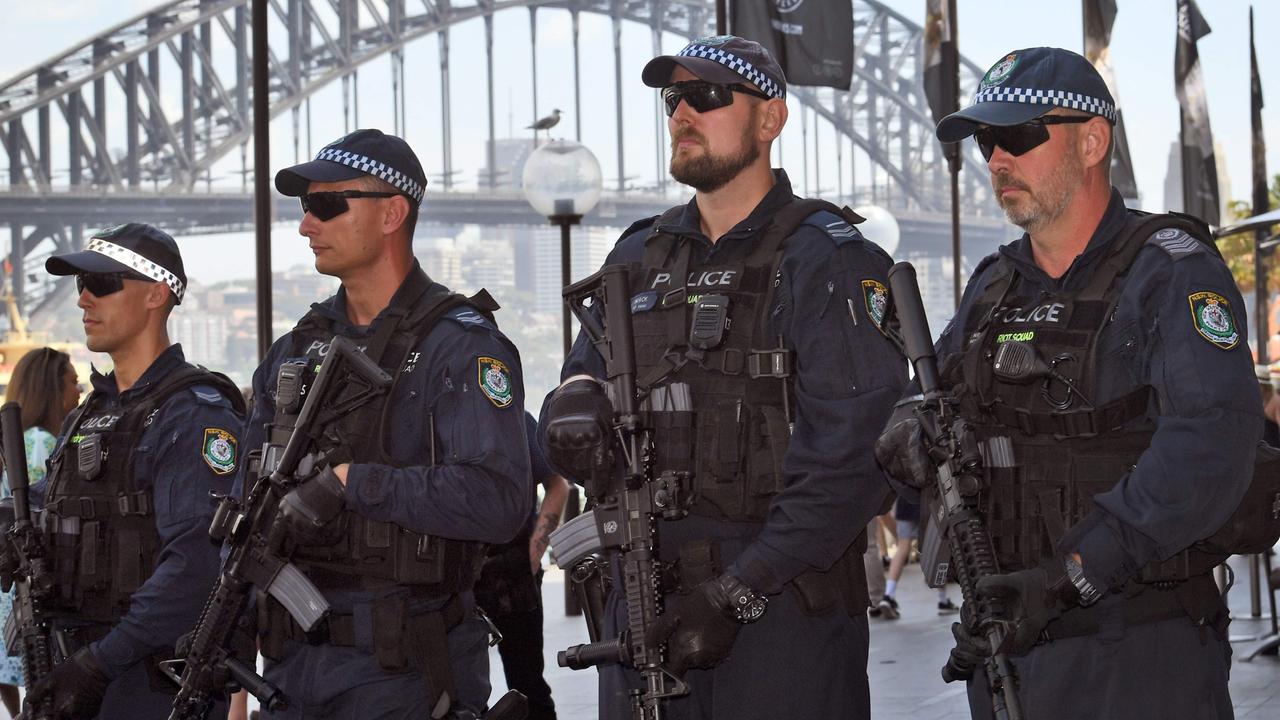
[130,124]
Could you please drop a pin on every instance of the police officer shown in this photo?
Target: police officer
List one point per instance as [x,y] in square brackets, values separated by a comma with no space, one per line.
[784,388]
[432,472]
[126,500]
[1125,432]
[510,586]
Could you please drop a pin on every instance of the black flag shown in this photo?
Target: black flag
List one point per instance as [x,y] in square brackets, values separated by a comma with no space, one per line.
[1099,16]
[1199,169]
[811,39]
[940,61]
[1261,196]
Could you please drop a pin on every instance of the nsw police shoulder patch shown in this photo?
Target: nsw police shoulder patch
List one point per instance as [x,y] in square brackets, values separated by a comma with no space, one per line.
[495,381]
[875,297]
[219,450]
[1212,318]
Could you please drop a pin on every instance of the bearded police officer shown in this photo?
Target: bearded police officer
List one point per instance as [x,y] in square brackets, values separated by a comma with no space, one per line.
[768,308]
[1102,362]
[437,468]
[126,500]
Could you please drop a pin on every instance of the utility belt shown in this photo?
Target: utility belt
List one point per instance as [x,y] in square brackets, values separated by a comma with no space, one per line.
[400,640]
[818,592]
[1196,599]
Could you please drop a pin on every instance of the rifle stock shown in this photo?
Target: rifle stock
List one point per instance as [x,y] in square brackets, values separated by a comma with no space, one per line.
[345,379]
[958,470]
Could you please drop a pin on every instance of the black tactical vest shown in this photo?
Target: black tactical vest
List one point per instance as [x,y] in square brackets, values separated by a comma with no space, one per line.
[1047,449]
[707,324]
[99,524]
[371,554]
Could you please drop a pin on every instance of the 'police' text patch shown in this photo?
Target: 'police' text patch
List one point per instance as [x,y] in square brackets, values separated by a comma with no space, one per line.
[495,381]
[1211,315]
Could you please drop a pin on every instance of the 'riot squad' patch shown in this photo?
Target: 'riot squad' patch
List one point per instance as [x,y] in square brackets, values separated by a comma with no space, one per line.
[219,450]
[495,381]
[1211,315]
[876,297]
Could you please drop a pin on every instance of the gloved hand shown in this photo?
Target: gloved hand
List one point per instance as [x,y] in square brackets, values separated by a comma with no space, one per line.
[73,690]
[970,652]
[1031,599]
[579,430]
[698,631]
[904,453]
[308,509]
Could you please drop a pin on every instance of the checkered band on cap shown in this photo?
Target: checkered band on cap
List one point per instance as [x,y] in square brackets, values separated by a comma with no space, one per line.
[138,263]
[369,166]
[1060,98]
[738,65]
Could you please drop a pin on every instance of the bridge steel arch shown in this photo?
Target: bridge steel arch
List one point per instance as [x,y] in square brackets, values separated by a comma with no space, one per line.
[318,42]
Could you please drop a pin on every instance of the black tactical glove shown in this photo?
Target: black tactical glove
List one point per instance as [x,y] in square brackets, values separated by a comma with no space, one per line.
[1031,599]
[970,652]
[699,631]
[904,453]
[579,431]
[75,688]
[308,509]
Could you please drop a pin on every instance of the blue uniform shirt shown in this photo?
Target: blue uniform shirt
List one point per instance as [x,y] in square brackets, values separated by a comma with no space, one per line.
[168,460]
[1209,415]
[847,377]
[478,489]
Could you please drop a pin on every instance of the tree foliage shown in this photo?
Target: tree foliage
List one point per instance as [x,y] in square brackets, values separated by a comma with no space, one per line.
[1238,249]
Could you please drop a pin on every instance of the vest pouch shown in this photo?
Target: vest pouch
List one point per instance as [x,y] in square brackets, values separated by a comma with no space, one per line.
[769,448]
[1254,527]
[720,433]
[420,559]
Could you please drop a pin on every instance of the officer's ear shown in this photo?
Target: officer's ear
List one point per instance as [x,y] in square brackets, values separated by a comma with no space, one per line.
[770,117]
[1094,140]
[395,213]
[158,295]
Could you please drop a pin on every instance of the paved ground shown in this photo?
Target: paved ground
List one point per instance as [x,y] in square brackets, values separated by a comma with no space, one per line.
[905,657]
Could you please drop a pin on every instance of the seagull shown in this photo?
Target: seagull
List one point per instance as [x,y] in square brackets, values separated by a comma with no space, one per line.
[547,122]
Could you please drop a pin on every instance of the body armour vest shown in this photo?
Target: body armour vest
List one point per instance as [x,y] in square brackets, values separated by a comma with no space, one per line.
[1047,448]
[369,554]
[99,525]
[706,324]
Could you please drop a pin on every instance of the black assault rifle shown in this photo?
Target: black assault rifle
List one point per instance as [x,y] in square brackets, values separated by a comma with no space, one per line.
[627,515]
[29,627]
[345,380]
[955,450]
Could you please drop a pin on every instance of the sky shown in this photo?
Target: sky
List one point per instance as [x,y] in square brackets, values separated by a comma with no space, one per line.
[1142,47]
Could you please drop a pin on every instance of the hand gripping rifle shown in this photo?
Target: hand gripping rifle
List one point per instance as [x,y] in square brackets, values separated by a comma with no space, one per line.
[29,627]
[345,379]
[627,516]
[955,450]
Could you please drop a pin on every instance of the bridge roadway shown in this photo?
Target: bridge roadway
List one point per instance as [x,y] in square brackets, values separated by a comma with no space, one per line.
[215,212]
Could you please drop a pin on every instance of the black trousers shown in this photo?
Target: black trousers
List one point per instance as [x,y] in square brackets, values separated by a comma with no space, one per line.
[521,653]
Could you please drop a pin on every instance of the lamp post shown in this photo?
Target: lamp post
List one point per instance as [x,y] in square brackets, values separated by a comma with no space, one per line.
[562,181]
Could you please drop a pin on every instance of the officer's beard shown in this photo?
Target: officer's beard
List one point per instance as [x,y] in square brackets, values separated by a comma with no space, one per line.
[1038,209]
[706,172]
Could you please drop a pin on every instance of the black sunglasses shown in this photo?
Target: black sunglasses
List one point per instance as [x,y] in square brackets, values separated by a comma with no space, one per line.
[104,284]
[1020,139]
[704,96]
[329,205]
